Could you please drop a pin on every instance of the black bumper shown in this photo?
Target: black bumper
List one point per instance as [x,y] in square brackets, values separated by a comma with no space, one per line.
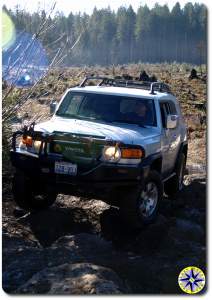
[102,176]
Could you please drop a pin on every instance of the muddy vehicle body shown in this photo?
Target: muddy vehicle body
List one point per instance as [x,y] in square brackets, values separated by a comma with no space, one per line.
[122,141]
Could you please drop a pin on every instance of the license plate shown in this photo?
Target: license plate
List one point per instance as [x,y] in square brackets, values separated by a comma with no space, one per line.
[65,168]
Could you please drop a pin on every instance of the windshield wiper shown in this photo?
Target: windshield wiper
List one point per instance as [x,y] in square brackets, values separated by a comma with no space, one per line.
[75,116]
[129,122]
[86,118]
[82,117]
[64,115]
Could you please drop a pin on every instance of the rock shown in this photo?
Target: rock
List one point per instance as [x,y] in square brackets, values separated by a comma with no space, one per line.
[23,264]
[22,260]
[193,194]
[47,231]
[197,169]
[78,279]
[144,76]
[196,215]
[84,244]
[193,74]
[12,243]
[152,236]
[185,230]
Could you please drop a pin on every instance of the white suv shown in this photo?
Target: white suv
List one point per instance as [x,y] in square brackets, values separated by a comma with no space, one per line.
[122,141]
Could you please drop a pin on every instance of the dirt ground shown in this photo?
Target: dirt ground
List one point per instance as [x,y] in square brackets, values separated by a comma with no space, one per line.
[51,251]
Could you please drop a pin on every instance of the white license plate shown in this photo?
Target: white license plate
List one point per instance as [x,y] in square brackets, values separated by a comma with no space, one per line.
[65,168]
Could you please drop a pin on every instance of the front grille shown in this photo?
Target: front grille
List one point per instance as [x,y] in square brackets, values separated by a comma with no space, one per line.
[85,153]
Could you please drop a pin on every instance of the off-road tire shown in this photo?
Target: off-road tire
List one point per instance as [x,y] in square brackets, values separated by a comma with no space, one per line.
[131,199]
[175,184]
[31,195]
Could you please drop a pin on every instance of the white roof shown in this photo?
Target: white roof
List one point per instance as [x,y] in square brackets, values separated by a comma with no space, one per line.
[119,91]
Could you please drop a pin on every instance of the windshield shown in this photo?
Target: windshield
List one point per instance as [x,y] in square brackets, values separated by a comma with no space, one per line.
[108,108]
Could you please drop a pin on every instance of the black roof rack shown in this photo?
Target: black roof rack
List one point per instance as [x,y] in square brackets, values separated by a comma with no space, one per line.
[145,85]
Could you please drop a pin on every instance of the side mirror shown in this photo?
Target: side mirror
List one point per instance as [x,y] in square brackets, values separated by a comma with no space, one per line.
[171,121]
[53,106]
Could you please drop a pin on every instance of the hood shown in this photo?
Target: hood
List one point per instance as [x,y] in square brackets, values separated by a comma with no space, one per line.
[126,133]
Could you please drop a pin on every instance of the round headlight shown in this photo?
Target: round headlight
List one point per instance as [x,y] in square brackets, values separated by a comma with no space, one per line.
[111,153]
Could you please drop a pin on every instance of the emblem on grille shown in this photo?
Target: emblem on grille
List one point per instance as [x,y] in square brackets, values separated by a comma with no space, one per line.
[57,148]
[77,150]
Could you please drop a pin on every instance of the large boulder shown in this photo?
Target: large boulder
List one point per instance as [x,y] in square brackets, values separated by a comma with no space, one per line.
[80,248]
[78,279]
[22,260]
[22,266]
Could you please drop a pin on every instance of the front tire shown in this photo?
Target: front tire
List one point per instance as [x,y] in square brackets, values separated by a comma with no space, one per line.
[31,195]
[140,205]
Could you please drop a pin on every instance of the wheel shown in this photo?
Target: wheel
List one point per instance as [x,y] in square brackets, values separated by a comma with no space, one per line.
[140,205]
[29,195]
[175,184]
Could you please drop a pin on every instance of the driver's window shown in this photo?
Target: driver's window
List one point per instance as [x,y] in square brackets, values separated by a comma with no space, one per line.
[172,108]
[164,110]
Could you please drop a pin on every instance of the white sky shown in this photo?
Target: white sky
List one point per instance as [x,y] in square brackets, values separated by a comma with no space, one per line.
[67,6]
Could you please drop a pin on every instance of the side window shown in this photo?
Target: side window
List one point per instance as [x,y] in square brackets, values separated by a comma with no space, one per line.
[164,110]
[172,108]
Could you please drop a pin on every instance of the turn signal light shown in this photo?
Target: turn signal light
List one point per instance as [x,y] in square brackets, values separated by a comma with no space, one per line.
[131,153]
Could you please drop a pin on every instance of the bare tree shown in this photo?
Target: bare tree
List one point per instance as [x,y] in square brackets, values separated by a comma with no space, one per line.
[23,61]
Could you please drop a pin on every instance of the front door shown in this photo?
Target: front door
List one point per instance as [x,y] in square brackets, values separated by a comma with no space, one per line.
[170,138]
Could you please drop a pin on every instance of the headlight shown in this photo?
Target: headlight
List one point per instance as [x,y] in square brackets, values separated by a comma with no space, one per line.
[36,145]
[27,143]
[111,154]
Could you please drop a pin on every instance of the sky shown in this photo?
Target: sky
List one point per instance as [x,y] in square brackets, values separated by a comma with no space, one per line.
[67,6]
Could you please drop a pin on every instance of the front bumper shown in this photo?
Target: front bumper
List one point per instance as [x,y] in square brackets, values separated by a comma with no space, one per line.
[104,175]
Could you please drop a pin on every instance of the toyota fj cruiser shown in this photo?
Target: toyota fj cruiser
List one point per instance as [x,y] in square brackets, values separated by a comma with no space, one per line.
[122,141]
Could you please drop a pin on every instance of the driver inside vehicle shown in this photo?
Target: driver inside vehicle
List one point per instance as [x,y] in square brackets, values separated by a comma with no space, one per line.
[139,113]
[140,110]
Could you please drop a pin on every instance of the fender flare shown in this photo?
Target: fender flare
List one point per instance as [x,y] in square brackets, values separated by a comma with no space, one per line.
[183,149]
[146,164]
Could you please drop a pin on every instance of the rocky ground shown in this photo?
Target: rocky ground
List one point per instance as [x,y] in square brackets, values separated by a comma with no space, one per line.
[81,246]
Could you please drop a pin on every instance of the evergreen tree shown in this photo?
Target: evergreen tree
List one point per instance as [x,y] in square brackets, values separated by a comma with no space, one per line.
[148,35]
